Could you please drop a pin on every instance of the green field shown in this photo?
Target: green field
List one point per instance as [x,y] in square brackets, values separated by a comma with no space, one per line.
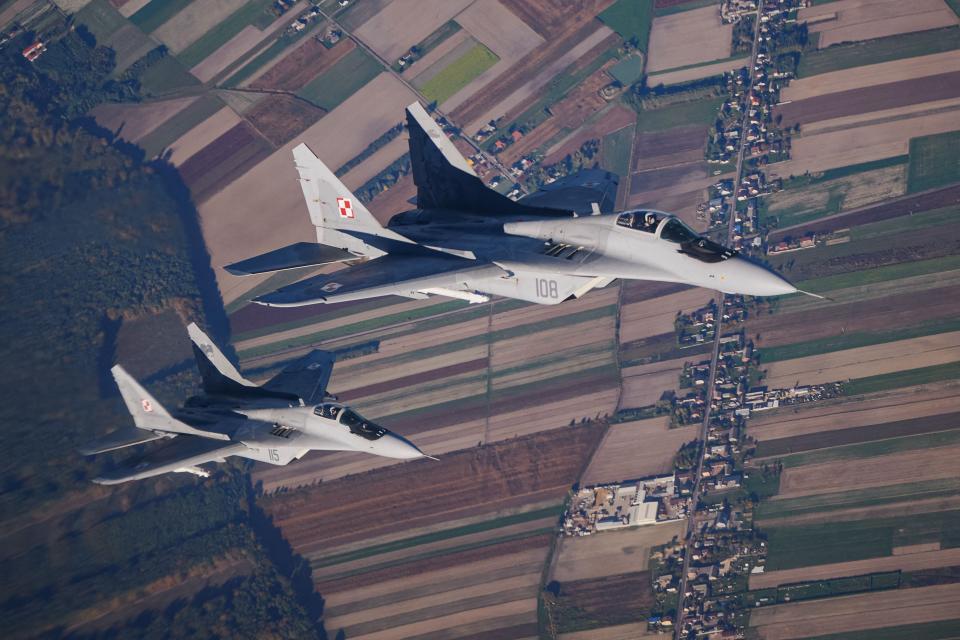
[798,182]
[154,14]
[924,375]
[219,35]
[858,498]
[257,63]
[342,80]
[943,630]
[101,19]
[683,6]
[678,115]
[934,161]
[872,449]
[854,340]
[806,545]
[827,192]
[615,151]
[168,132]
[459,73]
[166,76]
[905,45]
[628,70]
[880,274]
[631,19]
[904,224]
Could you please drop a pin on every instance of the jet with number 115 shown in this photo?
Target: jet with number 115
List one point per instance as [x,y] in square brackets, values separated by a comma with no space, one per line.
[467,241]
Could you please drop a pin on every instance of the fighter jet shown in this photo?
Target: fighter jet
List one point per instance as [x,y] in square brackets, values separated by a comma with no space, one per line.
[467,241]
[283,420]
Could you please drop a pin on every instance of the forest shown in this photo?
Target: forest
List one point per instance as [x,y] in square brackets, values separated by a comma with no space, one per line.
[92,234]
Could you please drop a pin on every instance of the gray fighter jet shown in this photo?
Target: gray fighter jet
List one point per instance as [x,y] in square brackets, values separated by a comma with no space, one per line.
[467,241]
[283,420]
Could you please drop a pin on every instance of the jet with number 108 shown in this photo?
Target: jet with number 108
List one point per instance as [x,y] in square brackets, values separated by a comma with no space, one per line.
[467,241]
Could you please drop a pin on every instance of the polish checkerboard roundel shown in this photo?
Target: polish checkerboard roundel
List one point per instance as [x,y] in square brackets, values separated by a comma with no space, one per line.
[346,207]
[147,405]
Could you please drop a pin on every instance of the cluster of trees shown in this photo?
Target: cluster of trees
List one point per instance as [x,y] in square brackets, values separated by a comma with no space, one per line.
[90,231]
[385,179]
[644,98]
[370,149]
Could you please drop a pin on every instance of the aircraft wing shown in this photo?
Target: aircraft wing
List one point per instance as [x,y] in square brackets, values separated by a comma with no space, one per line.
[182,453]
[125,437]
[410,274]
[307,377]
[577,192]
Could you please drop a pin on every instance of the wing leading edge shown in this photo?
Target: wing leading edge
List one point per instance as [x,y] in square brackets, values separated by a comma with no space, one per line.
[182,454]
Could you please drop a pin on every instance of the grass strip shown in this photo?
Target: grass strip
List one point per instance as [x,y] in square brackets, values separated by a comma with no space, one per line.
[880,274]
[898,379]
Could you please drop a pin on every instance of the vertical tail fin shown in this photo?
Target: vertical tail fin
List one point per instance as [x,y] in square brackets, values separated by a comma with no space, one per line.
[445,179]
[218,373]
[149,414]
[334,208]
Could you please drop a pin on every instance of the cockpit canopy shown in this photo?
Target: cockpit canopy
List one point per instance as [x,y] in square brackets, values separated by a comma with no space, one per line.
[357,424]
[641,220]
[673,230]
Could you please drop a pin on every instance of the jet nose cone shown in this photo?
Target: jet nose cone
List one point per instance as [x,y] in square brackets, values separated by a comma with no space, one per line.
[752,279]
[394,446]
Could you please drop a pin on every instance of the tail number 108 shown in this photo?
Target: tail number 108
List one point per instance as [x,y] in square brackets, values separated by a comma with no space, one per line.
[546,288]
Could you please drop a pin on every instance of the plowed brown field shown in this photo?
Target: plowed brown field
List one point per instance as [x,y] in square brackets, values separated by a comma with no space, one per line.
[420,492]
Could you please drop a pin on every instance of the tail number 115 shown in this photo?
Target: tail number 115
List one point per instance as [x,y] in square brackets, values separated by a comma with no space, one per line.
[546,288]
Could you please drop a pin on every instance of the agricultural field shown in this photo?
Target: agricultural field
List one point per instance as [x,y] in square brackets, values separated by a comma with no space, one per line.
[796,206]
[340,81]
[455,76]
[671,36]
[638,449]
[864,612]
[611,552]
[872,52]
[630,20]
[854,20]
[867,361]
[934,161]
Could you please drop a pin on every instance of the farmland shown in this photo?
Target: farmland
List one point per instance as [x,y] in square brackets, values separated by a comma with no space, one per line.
[341,80]
[934,161]
[459,73]
[856,20]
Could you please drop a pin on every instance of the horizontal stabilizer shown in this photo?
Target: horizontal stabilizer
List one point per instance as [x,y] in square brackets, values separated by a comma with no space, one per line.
[126,437]
[294,256]
[578,192]
[306,377]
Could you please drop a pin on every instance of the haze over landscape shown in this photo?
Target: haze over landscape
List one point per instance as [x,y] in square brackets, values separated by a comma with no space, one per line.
[648,460]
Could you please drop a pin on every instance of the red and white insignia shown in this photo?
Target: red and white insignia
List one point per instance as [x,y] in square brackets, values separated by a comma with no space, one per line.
[146,405]
[346,207]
